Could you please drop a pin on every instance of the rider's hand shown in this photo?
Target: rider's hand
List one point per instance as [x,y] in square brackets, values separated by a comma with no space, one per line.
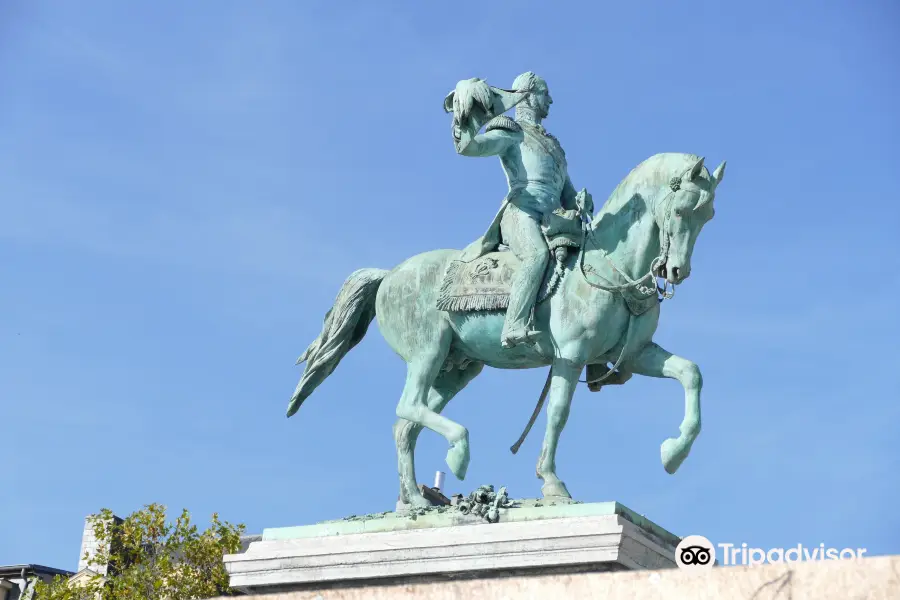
[585,202]
[471,96]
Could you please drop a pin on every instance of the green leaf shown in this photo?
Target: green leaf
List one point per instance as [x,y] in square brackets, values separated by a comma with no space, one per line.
[150,558]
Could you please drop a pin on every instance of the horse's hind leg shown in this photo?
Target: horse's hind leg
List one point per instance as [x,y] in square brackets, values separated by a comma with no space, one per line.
[445,387]
[421,373]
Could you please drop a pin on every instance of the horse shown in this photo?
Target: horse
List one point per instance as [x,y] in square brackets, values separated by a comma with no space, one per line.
[605,310]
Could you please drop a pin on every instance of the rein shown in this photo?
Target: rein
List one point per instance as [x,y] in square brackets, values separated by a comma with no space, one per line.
[637,284]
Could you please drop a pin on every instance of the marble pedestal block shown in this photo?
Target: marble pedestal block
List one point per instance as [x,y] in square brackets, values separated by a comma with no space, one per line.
[531,537]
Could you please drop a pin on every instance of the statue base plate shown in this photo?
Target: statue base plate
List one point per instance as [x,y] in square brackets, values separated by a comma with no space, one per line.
[531,537]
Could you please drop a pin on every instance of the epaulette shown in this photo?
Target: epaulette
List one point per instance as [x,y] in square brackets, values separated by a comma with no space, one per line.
[502,122]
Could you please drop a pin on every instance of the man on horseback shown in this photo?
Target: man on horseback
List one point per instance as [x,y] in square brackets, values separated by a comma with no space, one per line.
[536,171]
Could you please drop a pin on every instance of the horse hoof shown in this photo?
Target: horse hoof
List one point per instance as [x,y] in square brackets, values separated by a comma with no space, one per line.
[556,489]
[673,452]
[458,458]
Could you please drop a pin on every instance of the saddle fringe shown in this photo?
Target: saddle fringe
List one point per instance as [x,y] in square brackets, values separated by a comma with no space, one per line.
[486,302]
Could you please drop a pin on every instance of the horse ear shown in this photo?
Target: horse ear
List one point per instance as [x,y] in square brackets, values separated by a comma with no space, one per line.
[695,170]
[718,174]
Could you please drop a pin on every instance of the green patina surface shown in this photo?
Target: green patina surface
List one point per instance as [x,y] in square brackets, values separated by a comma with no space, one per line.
[449,516]
[609,277]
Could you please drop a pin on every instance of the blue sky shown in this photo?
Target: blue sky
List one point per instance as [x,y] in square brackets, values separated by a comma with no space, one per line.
[184,187]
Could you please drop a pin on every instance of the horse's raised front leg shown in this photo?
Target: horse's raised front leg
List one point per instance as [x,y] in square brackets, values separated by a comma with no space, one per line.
[654,361]
[445,387]
[562,388]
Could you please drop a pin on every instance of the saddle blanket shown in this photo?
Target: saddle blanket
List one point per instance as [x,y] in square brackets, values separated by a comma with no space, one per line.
[484,284]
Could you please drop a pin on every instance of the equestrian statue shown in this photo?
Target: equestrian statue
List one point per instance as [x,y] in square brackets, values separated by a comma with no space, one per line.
[549,283]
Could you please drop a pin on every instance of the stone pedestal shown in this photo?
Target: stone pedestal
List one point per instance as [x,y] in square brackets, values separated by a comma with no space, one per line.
[531,537]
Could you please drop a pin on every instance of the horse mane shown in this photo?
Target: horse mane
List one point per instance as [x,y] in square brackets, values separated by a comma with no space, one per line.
[651,174]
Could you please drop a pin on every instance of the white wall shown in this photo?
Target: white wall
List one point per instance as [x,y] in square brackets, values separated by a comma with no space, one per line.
[876,578]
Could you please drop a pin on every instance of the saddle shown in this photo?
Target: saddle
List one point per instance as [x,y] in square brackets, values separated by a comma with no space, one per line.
[484,284]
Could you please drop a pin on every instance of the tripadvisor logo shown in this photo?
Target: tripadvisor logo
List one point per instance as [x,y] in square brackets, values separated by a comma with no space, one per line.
[695,552]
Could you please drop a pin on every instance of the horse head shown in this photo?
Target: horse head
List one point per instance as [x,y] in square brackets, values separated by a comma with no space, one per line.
[680,216]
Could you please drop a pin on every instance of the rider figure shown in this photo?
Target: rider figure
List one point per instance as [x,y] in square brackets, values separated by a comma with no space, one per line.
[539,183]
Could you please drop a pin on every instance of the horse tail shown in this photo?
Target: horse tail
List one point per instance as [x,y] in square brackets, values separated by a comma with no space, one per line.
[345,326]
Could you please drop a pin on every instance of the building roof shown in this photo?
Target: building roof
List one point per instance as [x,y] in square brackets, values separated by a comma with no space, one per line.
[15,571]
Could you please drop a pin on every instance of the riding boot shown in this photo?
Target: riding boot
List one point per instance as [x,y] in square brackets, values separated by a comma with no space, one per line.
[522,297]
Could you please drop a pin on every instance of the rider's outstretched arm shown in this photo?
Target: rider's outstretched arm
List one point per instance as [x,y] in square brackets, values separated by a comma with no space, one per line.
[491,143]
[502,133]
